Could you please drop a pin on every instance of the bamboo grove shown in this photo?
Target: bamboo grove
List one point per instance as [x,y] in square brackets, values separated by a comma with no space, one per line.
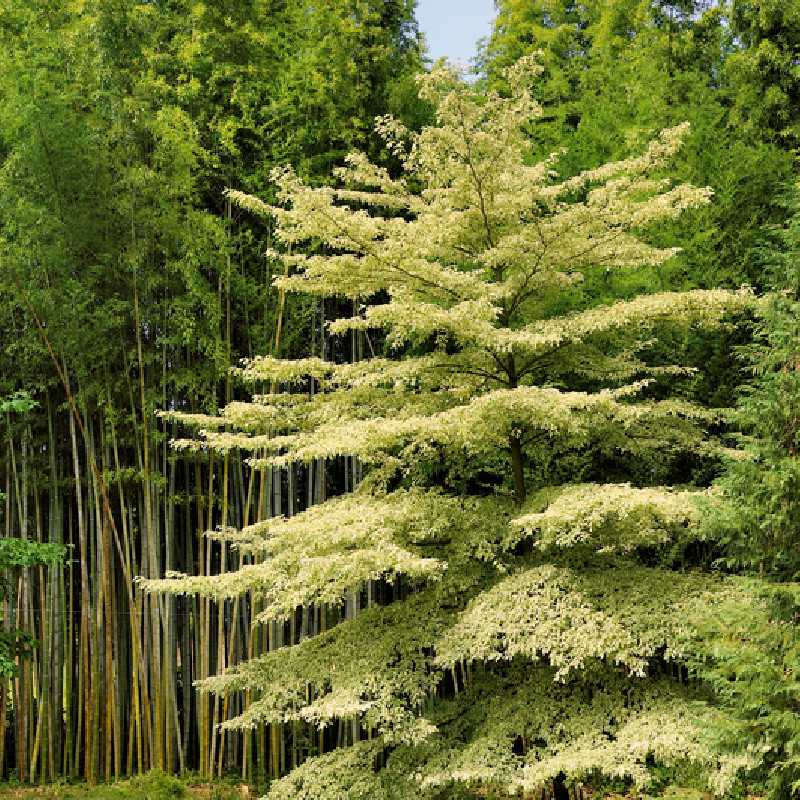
[288,474]
[129,285]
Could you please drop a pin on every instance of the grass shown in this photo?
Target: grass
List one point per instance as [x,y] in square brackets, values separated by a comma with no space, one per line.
[152,786]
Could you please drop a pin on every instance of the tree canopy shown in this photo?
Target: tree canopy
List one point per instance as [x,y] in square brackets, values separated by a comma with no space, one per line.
[555,611]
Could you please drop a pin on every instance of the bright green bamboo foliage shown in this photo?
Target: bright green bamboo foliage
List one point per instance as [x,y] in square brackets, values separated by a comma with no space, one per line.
[524,638]
[763,69]
[754,526]
[616,72]
[126,286]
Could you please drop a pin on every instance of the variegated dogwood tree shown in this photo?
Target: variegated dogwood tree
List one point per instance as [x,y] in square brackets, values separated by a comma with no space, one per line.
[542,636]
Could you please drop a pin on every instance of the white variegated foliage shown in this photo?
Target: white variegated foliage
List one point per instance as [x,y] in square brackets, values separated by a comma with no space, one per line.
[543,610]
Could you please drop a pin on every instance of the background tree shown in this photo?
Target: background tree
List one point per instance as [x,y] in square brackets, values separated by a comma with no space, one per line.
[763,68]
[129,283]
[617,72]
[753,524]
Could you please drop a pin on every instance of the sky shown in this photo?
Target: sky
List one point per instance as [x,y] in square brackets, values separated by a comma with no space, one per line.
[452,27]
